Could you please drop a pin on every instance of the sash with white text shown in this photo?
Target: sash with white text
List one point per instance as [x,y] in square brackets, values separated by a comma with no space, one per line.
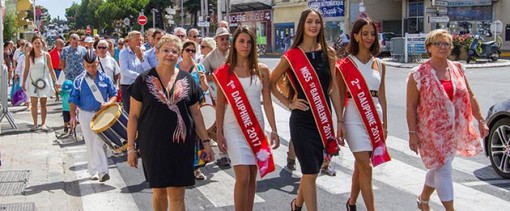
[309,81]
[363,99]
[252,131]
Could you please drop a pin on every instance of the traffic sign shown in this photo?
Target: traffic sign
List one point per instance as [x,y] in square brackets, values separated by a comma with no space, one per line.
[204,24]
[440,3]
[127,21]
[142,20]
[88,31]
[440,19]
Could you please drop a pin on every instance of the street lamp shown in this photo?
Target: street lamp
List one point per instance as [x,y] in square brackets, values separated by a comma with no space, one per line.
[154,11]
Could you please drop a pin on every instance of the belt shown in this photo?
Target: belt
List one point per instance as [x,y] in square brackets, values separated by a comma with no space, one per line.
[125,85]
[374,93]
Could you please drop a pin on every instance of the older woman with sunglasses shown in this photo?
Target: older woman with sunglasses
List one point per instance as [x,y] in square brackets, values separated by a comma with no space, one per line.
[107,64]
[440,109]
[207,46]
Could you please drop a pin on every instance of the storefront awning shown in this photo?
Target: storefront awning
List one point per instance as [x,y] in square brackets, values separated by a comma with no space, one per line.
[249,7]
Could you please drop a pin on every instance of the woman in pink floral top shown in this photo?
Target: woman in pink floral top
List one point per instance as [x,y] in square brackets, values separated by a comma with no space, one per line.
[440,107]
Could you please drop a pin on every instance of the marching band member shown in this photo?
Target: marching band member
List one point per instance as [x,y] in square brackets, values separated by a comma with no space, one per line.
[92,91]
[310,66]
[361,77]
[239,118]
[440,107]
[165,118]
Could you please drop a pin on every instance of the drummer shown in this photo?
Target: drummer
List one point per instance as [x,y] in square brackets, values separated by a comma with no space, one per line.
[103,93]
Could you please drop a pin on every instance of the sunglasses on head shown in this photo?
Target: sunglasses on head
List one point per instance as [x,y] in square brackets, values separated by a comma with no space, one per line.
[190,50]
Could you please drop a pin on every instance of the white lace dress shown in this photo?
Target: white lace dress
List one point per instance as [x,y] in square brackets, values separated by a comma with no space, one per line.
[39,70]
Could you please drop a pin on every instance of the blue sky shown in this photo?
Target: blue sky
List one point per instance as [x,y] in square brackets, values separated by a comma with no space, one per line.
[56,7]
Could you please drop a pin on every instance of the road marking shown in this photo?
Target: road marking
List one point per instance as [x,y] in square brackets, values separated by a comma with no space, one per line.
[103,196]
[410,179]
[490,182]
[219,189]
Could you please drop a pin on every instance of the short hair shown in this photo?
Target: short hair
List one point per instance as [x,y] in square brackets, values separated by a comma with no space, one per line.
[431,36]
[170,38]
[151,31]
[104,42]
[75,37]
[210,42]
[133,33]
[188,43]
[156,32]
[194,30]
[180,29]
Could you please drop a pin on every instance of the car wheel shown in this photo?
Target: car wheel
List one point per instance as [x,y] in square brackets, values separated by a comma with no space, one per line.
[499,147]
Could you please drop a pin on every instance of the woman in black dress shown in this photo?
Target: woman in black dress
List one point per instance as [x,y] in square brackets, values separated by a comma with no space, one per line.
[303,130]
[163,117]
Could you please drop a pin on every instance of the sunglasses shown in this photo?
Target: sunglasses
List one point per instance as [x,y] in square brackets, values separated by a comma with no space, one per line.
[102,47]
[204,46]
[180,35]
[190,50]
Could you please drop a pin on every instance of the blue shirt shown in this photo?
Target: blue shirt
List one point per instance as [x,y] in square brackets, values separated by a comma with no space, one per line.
[116,56]
[73,58]
[150,58]
[82,95]
[130,66]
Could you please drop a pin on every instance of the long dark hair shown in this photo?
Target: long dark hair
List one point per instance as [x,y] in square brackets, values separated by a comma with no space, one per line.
[32,51]
[353,47]
[252,57]
[321,38]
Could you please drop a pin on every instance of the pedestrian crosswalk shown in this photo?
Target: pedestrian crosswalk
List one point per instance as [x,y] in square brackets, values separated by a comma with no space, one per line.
[404,174]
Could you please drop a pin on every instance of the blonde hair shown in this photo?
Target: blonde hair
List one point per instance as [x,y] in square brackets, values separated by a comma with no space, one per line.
[431,36]
[170,38]
[131,34]
[209,41]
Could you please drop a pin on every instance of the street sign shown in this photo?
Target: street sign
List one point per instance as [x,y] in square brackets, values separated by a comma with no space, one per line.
[440,19]
[170,11]
[142,20]
[203,24]
[441,3]
[438,10]
[127,21]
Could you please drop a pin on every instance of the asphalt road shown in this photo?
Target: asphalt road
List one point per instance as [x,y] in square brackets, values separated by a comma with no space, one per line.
[277,190]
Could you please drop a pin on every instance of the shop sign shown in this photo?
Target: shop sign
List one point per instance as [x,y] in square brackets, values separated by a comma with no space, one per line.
[440,19]
[250,16]
[467,3]
[328,8]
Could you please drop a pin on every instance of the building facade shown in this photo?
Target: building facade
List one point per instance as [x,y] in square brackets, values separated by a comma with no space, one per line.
[256,14]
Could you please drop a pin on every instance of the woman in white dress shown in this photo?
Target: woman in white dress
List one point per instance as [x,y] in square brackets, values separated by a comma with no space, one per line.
[254,78]
[38,78]
[363,48]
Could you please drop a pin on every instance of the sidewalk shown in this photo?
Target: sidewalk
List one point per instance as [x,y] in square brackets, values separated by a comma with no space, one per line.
[39,172]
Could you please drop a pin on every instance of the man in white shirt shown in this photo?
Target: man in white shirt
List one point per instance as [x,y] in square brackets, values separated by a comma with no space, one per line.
[131,61]
[217,57]
[107,64]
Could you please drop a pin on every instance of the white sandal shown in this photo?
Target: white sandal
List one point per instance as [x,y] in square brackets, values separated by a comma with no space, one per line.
[420,203]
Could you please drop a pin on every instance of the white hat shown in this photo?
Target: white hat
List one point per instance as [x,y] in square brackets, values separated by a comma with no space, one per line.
[89,39]
[220,32]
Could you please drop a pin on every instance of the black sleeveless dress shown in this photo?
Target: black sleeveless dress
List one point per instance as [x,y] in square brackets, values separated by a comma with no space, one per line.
[303,130]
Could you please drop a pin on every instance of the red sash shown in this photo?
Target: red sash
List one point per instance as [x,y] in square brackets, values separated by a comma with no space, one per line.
[361,94]
[309,81]
[252,131]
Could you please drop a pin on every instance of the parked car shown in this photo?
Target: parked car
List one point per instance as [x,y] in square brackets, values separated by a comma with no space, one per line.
[497,143]
[384,40]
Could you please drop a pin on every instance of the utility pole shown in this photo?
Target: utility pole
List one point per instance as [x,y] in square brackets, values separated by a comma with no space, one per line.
[182,13]
[219,10]
[154,11]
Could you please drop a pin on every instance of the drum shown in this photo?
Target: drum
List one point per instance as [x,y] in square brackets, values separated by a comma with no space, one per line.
[209,114]
[110,123]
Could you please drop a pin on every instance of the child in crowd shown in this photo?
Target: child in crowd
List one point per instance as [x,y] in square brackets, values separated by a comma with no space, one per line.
[65,92]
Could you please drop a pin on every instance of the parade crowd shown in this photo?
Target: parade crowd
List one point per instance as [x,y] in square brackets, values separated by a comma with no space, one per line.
[164,89]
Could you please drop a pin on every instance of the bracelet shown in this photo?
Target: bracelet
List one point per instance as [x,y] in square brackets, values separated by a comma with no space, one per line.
[131,150]
[274,132]
[481,121]
[412,132]
[206,141]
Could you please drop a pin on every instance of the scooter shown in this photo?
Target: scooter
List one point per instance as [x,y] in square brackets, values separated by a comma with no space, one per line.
[487,50]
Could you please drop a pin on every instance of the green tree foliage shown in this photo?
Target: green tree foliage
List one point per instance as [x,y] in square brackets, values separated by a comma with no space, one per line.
[160,5]
[71,15]
[10,26]
[192,7]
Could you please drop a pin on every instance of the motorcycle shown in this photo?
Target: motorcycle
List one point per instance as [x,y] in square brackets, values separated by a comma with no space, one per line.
[486,50]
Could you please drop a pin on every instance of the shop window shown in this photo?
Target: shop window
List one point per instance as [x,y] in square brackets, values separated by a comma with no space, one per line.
[415,22]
